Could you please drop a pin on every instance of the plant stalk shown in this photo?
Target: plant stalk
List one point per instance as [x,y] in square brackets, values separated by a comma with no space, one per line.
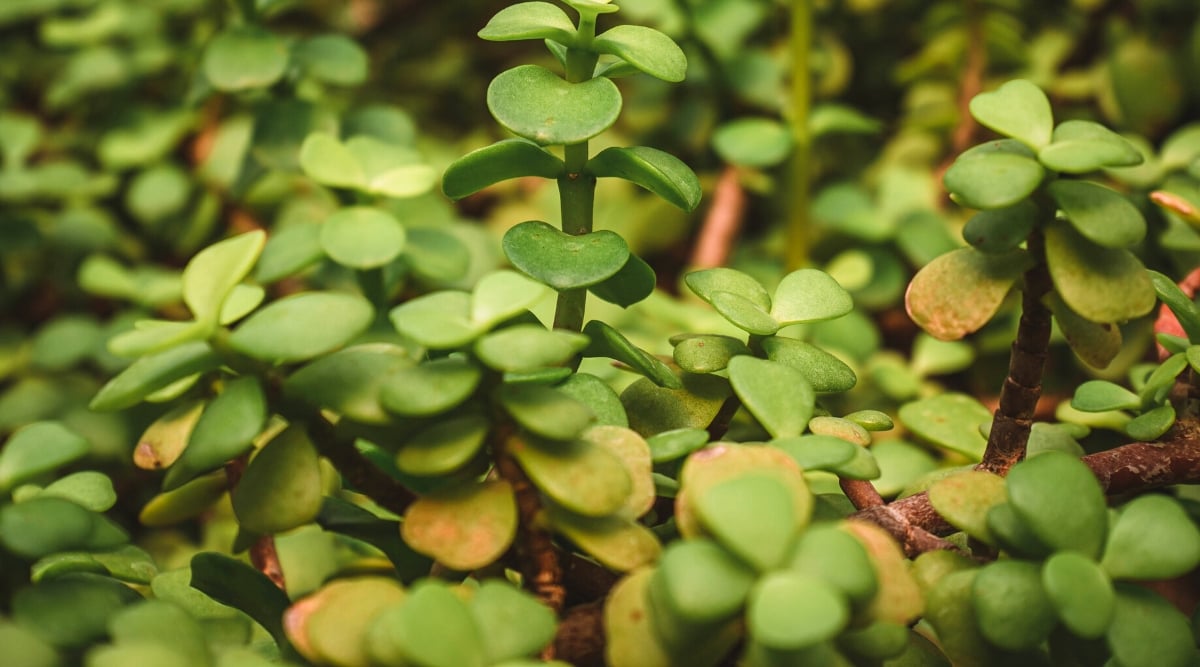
[799,168]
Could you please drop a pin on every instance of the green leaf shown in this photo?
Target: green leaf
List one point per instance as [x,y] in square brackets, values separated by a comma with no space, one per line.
[328,162]
[778,396]
[964,500]
[707,353]
[36,449]
[676,443]
[564,261]
[213,273]
[302,326]
[1099,213]
[597,395]
[1147,631]
[391,170]
[1081,146]
[1013,534]
[752,517]
[281,488]
[1017,109]
[948,420]
[333,58]
[753,142]
[163,623]
[1060,501]
[809,295]
[464,527]
[280,128]
[71,611]
[164,440]
[362,237]
[646,49]
[817,452]
[237,584]
[1081,593]
[530,20]
[1102,395]
[90,489]
[722,461]
[1152,538]
[997,174]
[1001,230]
[438,320]
[430,388]
[225,430]
[633,283]
[433,627]
[190,499]
[617,542]
[702,583]
[608,342]
[46,525]
[244,57]
[708,282]
[1011,606]
[536,104]
[744,314]
[653,408]
[657,171]
[444,447]
[330,626]
[154,372]
[512,623]
[503,294]
[792,610]
[959,292]
[1152,424]
[837,558]
[1101,284]
[1181,304]
[349,381]
[528,347]
[1097,344]
[545,411]
[289,251]
[582,477]
[510,158]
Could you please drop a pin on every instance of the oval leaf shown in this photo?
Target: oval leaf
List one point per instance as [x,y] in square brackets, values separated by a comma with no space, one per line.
[464,527]
[661,173]
[959,292]
[1099,213]
[1101,284]
[1017,109]
[362,237]
[281,488]
[778,396]
[302,326]
[511,158]
[564,261]
[1153,538]
[535,103]
[1060,501]
[646,49]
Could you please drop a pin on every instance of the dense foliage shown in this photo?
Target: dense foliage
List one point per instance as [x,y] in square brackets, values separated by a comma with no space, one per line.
[672,332]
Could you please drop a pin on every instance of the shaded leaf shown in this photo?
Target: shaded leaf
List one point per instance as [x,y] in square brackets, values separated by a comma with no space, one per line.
[465,526]
[659,172]
[959,292]
[536,104]
[510,158]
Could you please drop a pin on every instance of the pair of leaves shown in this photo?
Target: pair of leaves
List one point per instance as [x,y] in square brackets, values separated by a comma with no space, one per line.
[366,164]
[450,319]
[805,295]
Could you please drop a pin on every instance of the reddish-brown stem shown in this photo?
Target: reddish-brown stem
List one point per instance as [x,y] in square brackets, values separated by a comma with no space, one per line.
[862,493]
[263,555]
[1023,386]
[723,222]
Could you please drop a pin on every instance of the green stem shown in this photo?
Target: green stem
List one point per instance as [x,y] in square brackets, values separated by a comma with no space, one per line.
[799,169]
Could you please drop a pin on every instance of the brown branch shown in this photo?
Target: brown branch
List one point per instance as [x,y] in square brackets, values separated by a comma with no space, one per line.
[263,554]
[970,85]
[1023,386]
[723,222]
[860,492]
[580,638]
[720,422]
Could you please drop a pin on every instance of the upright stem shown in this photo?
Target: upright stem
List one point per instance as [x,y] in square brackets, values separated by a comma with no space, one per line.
[1023,386]
[798,171]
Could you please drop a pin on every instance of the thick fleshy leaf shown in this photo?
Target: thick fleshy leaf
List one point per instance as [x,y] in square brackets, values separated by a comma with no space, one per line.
[617,542]
[634,453]
[281,488]
[809,295]
[154,372]
[503,294]
[608,342]
[444,447]
[779,396]
[1181,304]
[90,489]
[659,172]
[1102,395]
[1013,534]
[792,610]
[959,292]
[838,427]
[1001,230]
[438,320]
[464,527]
[330,625]
[1152,424]
[362,237]
[583,477]
[1017,109]
[333,58]
[676,443]
[997,174]
[753,142]
[751,516]
[1099,213]
[952,614]
[718,463]
[1060,501]
[701,582]
[707,282]
[303,326]
[530,20]
[159,624]
[545,410]
[1096,343]
[237,584]
[223,432]
[512,623]
[632,283]
[349,381]
[528,347]
[71,611]
[948,420]
[899,599]
[817,452]
[834,556]
[288,251]
[212,274]
[1153,538]
[510,158]
[1011,606]
[646,49]
[245,57]
[1101,284]
[431,387]
[597,395]
[744,313]
[1081,146]
[327,161]
[536,104]
[1081,593]
[964,500]
[564,261]
[825,372]
[46,525]
[188,500]
[708,353]
[627,621]
[652,408]
[1147,631]
[37,449]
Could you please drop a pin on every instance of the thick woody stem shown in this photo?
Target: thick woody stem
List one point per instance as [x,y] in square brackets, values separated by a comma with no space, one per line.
[723,222]
[1023,386]
[861,493]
